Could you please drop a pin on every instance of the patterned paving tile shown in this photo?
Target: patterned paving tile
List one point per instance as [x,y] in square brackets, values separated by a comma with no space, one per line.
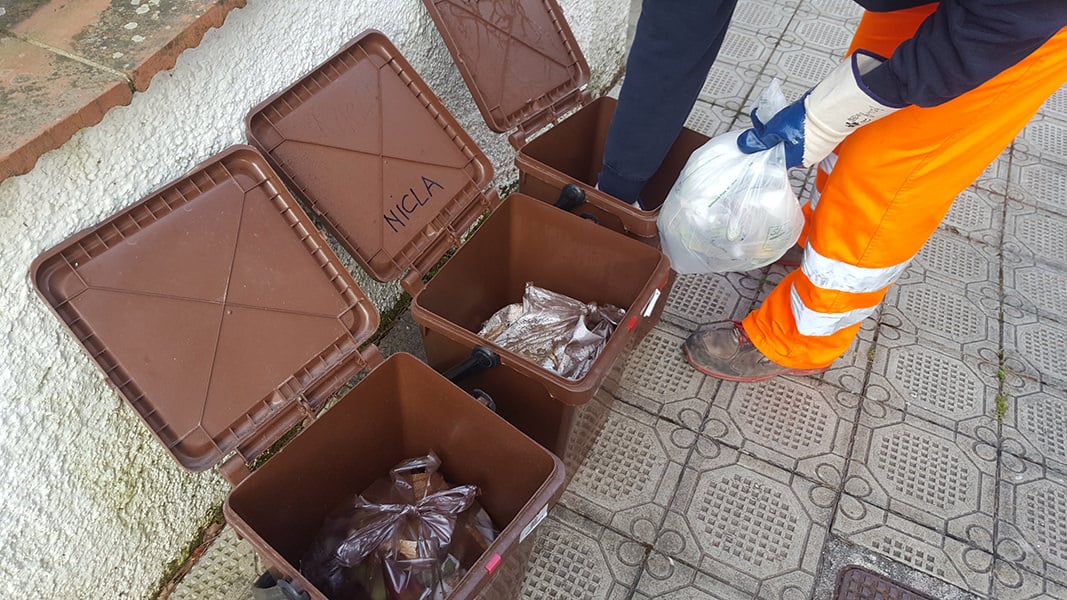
[1040,183]
[837,10]
[1035,233]
[977,214]
[630,474]
[1032,532]
[761,17]
[577,559]
[799,424]
[1012,583]
[1039,345]
[225,570]
[747,50]
[999,176]
[1035,425]
[821,32]
[1038,289]
[1056,106]
[697,299]
[948,559]
[754,526]
[850,371]
[924,310]
[727,86]
[799,65]
[953,391]
[1044,138]
[788,4]
[710,119]
[924,473]
[658,379]
[586,426]
[666,578]
[954,259]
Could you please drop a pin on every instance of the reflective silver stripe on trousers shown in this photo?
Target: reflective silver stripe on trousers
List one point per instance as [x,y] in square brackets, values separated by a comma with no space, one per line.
[830,274]
[812,323]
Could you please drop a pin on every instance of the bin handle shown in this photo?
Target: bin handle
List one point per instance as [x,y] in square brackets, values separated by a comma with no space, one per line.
[269,588]
[481,358]
[570,197]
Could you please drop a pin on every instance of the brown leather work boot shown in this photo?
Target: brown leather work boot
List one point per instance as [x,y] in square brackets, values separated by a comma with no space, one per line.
[723,350]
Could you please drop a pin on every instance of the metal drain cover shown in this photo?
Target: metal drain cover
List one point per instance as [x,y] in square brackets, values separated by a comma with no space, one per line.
[856,583]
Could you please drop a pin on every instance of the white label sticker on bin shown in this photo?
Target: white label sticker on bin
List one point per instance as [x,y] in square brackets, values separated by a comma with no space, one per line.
[526,531]
[651,304]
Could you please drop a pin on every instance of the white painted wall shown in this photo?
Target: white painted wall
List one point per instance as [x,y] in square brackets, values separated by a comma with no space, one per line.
[90,504]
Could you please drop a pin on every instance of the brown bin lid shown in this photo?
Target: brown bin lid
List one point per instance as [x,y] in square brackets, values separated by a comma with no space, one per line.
[213,306]
[518,57]
[374,151]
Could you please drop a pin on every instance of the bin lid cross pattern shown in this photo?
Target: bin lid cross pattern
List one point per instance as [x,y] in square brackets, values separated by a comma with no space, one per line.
[209,305]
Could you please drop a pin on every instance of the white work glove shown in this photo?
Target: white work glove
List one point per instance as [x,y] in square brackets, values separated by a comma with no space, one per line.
[813,126]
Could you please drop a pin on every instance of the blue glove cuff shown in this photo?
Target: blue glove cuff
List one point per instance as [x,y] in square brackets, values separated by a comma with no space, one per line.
[786,127]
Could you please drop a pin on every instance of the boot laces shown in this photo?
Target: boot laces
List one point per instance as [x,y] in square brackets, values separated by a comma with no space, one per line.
[740,335]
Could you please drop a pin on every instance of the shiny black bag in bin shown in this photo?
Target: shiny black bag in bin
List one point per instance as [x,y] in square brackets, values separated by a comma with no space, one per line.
[412,536]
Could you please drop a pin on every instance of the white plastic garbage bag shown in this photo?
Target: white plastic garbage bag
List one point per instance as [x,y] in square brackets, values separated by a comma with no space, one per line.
[731,211]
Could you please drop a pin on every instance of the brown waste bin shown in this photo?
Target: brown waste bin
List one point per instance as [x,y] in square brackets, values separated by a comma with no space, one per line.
[218,311]
[402,409]
[530,42]
[365,115]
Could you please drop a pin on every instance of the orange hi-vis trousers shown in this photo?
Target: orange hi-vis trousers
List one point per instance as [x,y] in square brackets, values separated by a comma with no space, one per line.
[884,193]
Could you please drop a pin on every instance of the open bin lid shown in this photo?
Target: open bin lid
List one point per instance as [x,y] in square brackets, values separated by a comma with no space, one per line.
[373,151]
[214,307]
[518,57]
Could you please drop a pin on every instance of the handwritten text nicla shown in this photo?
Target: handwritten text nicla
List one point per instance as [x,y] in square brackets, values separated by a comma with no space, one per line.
[399,216]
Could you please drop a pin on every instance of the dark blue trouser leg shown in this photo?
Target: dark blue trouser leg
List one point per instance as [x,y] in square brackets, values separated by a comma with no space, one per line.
[673,49]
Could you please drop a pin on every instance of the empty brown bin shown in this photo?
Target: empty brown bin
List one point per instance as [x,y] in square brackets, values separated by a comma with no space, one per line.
[530,42]
[369,147]
[218,311]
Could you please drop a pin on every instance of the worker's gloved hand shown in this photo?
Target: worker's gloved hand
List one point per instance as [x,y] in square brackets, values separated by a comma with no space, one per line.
[813,126]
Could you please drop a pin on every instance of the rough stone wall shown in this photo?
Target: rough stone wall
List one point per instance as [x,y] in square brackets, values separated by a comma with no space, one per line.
[92,506]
